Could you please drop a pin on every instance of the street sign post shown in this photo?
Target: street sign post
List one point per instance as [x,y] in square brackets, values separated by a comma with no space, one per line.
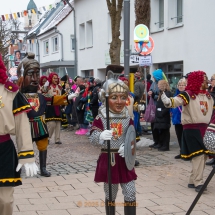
[145,60]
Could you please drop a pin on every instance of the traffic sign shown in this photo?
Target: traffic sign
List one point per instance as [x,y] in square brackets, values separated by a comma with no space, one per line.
[141,33]
[145,60]
[134,59]
[145,48]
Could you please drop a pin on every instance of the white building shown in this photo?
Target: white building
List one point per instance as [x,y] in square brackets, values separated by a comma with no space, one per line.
[182,32]
[52,40]
[94,36]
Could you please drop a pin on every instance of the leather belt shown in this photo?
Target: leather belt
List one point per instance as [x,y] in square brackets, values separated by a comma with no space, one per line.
[111,150]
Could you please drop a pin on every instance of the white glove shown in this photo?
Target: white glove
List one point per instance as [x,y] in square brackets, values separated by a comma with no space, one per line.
[106,135]
[31,169]
[121,150]
[46,84]
[73,95]
[165,99]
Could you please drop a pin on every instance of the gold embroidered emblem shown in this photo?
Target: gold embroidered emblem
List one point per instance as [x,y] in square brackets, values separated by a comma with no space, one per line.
[1,102]
[10,88]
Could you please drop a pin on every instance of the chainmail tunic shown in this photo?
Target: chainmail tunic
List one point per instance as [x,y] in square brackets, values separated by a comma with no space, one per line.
[122,118]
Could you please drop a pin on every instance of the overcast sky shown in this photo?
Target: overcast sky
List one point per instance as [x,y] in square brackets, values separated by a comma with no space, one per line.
[13,6]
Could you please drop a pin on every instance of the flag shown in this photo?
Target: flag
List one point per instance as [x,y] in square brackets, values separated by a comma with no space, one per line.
[29,12]
[25,12]
[3,18]
[33,11]
[32,41]
[11,17]
[22,15]
[44,8]
[6,16]
[50,6]
[14,15]
[18,14]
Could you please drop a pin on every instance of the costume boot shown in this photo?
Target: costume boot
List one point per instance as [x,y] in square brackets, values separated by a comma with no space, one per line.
[112,207]
[43,171]
[130,208]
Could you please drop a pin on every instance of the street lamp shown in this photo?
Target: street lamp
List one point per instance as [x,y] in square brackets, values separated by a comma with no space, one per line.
[75,37]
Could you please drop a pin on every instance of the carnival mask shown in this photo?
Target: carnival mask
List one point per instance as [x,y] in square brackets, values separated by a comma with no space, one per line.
[55,79]
[117,102]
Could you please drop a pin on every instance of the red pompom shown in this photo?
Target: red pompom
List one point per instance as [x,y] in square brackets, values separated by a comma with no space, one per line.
[194,81]
[3,70]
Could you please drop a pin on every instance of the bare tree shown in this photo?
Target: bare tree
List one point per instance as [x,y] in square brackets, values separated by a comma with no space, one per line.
[115,10]
[7,37]
[142,12]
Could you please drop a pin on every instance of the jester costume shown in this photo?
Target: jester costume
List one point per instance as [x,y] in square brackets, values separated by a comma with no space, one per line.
[197,107]
[119,124]
[38,103]
[14,121]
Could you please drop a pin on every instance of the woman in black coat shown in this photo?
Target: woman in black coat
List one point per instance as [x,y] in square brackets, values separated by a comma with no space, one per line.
[162,119]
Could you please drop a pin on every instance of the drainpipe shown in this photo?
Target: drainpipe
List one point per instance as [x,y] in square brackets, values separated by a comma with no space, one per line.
[38,47]
[57,31]
[75,37]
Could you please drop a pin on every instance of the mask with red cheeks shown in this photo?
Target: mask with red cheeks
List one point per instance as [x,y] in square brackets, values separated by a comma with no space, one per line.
[117,102]
[55,80]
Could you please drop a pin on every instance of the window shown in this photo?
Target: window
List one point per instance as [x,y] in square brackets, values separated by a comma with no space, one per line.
[46,47]
[89,29]
[82,35]
[55,43]
[161,13]
[72,43]
[179,11]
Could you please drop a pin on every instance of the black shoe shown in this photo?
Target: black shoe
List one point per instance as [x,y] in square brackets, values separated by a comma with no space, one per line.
[130,208]
[211,162]
[110,205]
[191,186]
[58,142]
[137,163]
[153,145]
[163,149]
[42,157]
[177,156]
[157,146]
[198,188]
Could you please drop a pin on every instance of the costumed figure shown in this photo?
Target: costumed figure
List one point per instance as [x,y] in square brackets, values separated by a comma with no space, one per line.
[38,103]
[197,107]
[113,129]
[53,113]
[64,121]
[14,121]
[42,86]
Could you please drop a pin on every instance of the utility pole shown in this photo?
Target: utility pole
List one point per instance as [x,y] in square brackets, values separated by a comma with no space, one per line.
[126,37]
[75,38]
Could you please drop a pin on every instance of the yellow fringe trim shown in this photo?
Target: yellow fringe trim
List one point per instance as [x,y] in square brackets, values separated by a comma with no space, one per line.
[183,98]
[173,102]
[10,180]
[50,119]
[25,153]
[21,108]
[194,153]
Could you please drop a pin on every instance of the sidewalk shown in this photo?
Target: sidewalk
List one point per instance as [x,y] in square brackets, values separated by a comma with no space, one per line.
[161,189]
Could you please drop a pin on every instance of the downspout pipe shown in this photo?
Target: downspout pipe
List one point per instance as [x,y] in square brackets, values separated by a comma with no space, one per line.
[58,32]
[38,47]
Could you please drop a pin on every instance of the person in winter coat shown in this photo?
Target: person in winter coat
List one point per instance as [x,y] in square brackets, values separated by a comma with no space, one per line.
[94,102]
[162,119]
[154,93]
[176,115]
